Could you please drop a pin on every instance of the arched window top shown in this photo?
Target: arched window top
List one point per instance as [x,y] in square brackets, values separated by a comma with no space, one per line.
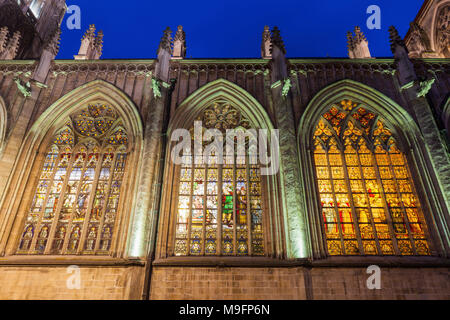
[76,202]
[349,124]
[97,123]
[223,92]
[222,115]
[368,201]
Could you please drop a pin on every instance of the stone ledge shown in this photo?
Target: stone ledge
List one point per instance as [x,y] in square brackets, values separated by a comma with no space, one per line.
[356,262]
[68,260]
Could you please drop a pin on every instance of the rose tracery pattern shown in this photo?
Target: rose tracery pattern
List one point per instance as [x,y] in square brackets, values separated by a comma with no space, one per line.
[221,115]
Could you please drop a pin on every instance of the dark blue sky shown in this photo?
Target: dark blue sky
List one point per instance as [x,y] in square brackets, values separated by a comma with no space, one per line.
[232,29]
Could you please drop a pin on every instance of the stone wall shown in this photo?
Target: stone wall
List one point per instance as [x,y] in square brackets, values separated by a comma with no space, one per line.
[296,283]
[50,283]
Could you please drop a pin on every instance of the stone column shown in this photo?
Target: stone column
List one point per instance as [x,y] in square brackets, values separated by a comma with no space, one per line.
[415,91]
[143,228]
[293,207]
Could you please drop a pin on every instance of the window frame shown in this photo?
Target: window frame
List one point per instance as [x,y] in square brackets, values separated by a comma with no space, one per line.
[121,217]
[406,154]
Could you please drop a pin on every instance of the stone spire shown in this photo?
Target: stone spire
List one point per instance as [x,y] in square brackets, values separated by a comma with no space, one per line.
[164,55]
[166,42]
[278,52]
[9,51]
[3,39]
[358,46]
[277,41]
[98,43]
[179,44]
[350,45]
[266,44]
[405,68]
[91,45]
[396,40]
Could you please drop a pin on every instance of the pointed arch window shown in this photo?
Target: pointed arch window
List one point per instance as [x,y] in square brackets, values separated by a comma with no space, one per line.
[368,200]
[75,204]
[219,208]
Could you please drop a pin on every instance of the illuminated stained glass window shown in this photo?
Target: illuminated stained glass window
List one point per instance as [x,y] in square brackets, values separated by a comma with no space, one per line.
[219,206]
[368,201]
[75,204]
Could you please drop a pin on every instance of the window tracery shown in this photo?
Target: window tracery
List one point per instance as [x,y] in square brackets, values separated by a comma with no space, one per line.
[219,208]
[368,201]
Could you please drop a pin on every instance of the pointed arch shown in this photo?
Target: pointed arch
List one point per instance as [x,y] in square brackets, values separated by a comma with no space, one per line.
[33,155]
[403,129]
[95,91]
[220,93]
[3,124]
[397,117]
[220,89]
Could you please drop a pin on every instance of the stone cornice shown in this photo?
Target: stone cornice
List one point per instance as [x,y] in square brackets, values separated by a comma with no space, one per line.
[350,262]
[68,260]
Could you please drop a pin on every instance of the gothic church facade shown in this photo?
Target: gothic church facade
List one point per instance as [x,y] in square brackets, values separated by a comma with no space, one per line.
[88,186]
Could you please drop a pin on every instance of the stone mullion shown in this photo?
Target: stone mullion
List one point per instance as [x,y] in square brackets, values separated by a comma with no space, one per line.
[115,235]
[352,204]
[234,210]
[205,205]
[336,209]
[69,223]
[108,194]
[267,219]
[386,208]
[44,204]
[191,197]
[60,203]
[219,209]
[91,201]
[406,219]
[369,206]
[249,213]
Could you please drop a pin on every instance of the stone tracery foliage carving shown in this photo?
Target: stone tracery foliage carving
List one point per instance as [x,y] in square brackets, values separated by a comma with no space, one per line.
[145,69]
[419,42]
[443,31]
[221,115]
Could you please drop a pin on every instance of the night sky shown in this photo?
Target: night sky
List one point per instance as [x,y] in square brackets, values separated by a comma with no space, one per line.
[233,28]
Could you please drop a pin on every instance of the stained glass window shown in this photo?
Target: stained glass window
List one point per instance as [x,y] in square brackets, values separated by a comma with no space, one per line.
[219,210]
[75,204]
[368,201]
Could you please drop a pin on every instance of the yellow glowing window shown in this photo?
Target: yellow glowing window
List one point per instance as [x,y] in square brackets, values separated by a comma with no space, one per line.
[368,201]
